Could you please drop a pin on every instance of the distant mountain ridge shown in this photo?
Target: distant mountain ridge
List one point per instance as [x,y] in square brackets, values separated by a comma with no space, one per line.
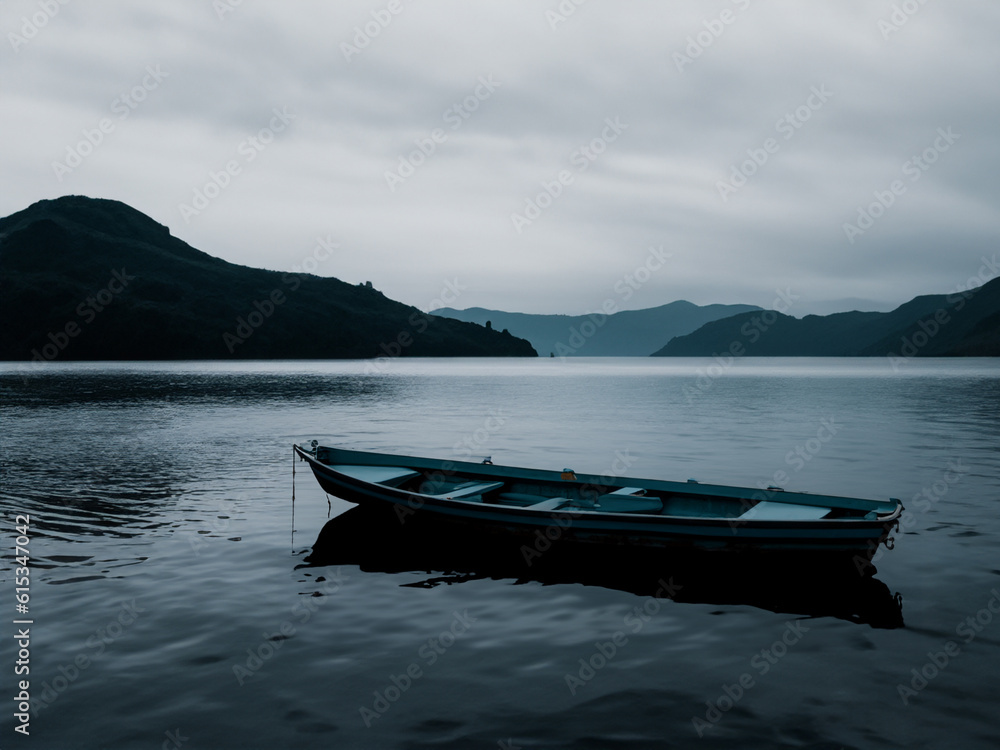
[942,325]
[627,333]
[93,279]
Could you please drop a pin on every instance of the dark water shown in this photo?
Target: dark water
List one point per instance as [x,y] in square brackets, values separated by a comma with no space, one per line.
[173,607]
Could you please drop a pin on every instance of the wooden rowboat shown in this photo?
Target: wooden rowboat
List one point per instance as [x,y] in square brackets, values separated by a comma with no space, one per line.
[562,506]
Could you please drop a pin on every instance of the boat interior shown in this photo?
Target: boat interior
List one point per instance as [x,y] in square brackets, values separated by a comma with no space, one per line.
[570,495]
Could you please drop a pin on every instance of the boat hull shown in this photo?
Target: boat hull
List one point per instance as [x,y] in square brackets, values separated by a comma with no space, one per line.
[854,537]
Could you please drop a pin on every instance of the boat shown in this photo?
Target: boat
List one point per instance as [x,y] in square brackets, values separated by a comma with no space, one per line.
[544,507]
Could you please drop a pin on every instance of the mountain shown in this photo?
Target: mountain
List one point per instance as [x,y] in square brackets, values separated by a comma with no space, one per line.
[958,324]
[628,333]
[831,306]
[91,279]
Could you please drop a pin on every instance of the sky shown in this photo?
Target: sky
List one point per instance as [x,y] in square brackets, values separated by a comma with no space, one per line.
[539,157]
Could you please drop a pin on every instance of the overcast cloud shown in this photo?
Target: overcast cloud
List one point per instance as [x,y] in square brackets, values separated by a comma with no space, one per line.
[820,107]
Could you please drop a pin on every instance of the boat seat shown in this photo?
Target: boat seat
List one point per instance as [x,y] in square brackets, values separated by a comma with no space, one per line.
[627,500]
[627,491]
[552,503]
[767,510]
[469,491]
[391,476]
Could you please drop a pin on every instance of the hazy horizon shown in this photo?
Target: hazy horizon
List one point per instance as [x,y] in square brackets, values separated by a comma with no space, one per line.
[817,308]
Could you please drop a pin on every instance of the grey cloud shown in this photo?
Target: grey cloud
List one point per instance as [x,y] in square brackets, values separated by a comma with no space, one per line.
[656,184]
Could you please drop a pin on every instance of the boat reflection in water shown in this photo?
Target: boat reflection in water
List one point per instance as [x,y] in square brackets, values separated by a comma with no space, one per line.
[376,541]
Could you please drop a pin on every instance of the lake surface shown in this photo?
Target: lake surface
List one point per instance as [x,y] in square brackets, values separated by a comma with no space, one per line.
[173,606]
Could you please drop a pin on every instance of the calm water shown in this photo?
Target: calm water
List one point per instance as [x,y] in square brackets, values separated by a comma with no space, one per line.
[173,606]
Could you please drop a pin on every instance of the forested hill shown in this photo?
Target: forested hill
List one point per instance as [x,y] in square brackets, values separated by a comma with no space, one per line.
[93,279]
